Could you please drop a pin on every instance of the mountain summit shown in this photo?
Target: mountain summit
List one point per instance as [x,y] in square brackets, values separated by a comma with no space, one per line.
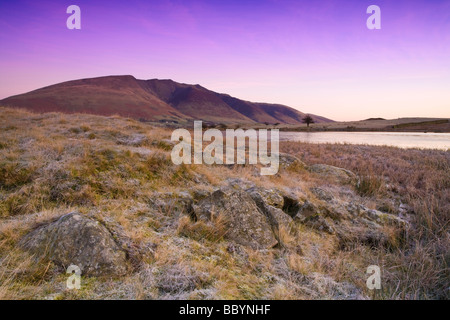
[152,100]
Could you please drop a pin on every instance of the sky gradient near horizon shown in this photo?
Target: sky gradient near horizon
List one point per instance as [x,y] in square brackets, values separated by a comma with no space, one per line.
[316,56]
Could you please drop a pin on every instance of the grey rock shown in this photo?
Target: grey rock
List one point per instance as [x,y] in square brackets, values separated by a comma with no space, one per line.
[338,174]
[272,197]
[246,224]
[319,223]
[322,194]
[384,218]
[307,209]
[290,162]
[283,219]
[275,216]
[78,240]
[237,183]
[380,218]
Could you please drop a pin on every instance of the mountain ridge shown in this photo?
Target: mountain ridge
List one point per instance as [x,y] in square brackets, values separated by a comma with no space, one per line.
[153,100]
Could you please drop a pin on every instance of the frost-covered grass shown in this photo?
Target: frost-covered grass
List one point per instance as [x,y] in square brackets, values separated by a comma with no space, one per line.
[119,170]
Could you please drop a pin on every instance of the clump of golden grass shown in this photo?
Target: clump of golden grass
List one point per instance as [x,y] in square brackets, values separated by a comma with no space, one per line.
[213,230]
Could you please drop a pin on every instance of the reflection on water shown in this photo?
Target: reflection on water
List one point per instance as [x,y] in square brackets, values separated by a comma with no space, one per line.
[397,139]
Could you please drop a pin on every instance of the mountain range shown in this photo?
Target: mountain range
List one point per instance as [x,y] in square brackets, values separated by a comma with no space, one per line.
[153,100]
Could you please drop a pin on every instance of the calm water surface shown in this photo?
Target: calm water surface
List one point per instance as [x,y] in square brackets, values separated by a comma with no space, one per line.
[396,139]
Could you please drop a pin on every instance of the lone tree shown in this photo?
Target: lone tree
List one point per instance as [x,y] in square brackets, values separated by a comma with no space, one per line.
[308,120]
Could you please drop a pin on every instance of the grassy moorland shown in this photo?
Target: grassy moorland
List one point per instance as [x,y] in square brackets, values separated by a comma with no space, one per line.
[118,171]
[419,179]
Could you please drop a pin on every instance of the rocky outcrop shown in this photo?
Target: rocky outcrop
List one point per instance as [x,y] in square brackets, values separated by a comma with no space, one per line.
[245,223]
[351,222]
[254,214]
[314,217]
[237,183]
[75,239]
[339,175]
[322,194]
[276,217]
[272,197]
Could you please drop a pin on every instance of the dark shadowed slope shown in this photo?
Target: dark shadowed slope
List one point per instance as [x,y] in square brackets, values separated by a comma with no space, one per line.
[152,100]
[195,101]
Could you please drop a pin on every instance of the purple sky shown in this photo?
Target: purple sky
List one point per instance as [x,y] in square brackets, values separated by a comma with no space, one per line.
[316,56]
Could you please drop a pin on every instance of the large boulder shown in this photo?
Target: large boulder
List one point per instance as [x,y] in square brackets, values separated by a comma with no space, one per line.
[338,174]
[75,239]
[245,223]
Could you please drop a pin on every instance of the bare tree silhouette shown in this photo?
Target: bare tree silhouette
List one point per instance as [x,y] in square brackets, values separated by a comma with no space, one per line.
[308,120]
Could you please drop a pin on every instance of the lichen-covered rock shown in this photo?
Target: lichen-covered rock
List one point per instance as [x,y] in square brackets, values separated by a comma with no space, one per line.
[322,194]
[383,218]
[276,217]
[374,237]
[75,239]
[352,222]
[319,223]
[237,183]
[315,217]
[245,223]
[290,162]
[338,174]
[307,209]
[283,219]
[272,197]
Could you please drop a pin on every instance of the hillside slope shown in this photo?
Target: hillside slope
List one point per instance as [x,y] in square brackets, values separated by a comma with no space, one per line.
[152,100]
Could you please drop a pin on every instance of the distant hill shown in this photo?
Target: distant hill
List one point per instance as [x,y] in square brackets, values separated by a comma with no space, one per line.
[439,125]
[153,100]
